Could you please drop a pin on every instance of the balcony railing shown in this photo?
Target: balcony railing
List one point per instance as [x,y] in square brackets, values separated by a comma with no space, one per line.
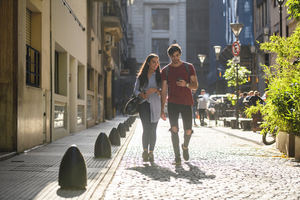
[32,66]
[111,9]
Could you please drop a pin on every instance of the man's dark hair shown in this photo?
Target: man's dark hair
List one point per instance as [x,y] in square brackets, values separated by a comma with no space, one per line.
[173,48]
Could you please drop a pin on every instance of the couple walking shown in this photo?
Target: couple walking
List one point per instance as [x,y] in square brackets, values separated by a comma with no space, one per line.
[176,80]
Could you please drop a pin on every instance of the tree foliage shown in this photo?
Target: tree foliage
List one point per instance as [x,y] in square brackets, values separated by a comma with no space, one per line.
[230,74]
[293,8]
[282,109]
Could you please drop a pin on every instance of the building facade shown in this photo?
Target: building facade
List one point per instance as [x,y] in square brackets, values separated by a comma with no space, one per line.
[25,81]
[266,23]
[156,24]
[233,11]
[56,71]
[198,39]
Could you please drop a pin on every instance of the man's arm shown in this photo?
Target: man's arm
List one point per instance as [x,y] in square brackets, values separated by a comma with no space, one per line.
[193,85]
[164,88]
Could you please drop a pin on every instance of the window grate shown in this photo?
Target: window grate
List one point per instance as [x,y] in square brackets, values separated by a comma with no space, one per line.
[32,66]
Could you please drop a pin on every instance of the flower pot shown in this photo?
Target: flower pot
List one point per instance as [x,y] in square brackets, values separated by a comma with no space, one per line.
[297,147]
[285,143]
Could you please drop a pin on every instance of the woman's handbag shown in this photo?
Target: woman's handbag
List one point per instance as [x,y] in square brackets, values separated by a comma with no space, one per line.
[131,107]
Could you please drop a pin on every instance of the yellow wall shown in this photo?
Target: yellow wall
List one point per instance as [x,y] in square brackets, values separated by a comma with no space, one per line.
[8,85]
[71,39]
[32,101]
[66,31]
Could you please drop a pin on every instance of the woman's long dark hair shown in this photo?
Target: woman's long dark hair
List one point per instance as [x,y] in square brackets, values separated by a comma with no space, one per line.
[142,75]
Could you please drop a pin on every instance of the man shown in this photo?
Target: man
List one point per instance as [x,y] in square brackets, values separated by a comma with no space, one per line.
[202,106]
[195,110]
[241,104]
[179,79]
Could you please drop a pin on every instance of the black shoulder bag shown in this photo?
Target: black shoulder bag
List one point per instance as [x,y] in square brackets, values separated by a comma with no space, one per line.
[132,105]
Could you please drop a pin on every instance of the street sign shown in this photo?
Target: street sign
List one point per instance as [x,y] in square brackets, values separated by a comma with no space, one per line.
[236,48]
[236,59]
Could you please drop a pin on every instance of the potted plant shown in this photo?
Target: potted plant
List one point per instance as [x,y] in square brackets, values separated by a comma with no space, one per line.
[282,110]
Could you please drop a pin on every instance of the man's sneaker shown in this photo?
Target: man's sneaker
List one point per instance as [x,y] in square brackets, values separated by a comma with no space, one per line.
[185,152]
[151,157]
[177,161]
[145,156]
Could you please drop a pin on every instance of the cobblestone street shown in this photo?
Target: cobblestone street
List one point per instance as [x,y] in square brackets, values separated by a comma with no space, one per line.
[224,164]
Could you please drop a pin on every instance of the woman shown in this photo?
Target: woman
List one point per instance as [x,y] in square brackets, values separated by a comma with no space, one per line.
[147,86]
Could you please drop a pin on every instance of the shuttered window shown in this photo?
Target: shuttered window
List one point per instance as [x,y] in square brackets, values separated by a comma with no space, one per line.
[28,26]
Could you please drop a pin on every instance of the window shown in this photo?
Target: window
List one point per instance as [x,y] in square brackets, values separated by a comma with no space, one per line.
[80,111]
[80,82]
[32,66]
[90,79]
[59,116]
[90,100]
[28,26]
[60,73]
[99,84]
[56,72]
[262,15]
[99,108]
[160,46]
[160,19]
[247,32]
[32,55]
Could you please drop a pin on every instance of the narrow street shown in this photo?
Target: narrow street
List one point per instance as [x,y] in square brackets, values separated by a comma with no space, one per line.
[224,164]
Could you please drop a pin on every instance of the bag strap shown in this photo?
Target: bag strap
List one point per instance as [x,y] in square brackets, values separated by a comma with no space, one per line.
[186,68]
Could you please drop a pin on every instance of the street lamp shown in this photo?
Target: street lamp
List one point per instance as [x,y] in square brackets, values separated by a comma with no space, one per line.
[280,2]
[236,29]
[201,58]
[217,51]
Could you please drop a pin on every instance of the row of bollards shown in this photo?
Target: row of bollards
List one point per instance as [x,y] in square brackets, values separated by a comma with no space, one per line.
[72,169]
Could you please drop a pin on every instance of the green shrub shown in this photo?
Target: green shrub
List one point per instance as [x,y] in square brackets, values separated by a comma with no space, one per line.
[282,109]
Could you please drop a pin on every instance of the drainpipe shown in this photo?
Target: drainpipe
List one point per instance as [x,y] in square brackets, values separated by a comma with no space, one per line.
[51,75]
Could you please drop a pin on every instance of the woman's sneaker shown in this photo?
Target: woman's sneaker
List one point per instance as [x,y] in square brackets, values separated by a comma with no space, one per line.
[145,156]
[151,157]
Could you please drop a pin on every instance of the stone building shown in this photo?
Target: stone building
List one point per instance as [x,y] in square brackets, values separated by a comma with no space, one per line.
[266,23]
[156,24]
[57,68]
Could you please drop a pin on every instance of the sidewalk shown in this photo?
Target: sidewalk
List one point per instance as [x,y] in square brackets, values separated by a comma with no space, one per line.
[34,174]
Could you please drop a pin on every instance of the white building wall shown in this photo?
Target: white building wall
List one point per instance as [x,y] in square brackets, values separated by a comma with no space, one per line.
[140,20]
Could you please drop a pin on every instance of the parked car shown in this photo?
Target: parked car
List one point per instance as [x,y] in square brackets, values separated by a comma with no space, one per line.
[223,107]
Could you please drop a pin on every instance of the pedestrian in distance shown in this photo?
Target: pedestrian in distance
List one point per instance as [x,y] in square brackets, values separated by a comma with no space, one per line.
[148,87]
[178,81]
[195,112]
[202,106]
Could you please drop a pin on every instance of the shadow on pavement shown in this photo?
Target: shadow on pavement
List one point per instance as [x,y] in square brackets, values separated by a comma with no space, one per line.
[163,174]
[242,138]
[69,193]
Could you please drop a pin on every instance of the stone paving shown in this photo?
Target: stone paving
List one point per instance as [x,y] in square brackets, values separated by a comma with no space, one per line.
[224,164]
[34,174]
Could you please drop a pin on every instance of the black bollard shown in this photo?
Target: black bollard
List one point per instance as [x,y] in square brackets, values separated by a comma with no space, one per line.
[126,126]
[72,170]
[114,137]
[121,130]
[102,147]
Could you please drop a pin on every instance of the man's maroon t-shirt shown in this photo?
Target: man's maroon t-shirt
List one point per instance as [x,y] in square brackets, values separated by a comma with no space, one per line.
[177,94]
